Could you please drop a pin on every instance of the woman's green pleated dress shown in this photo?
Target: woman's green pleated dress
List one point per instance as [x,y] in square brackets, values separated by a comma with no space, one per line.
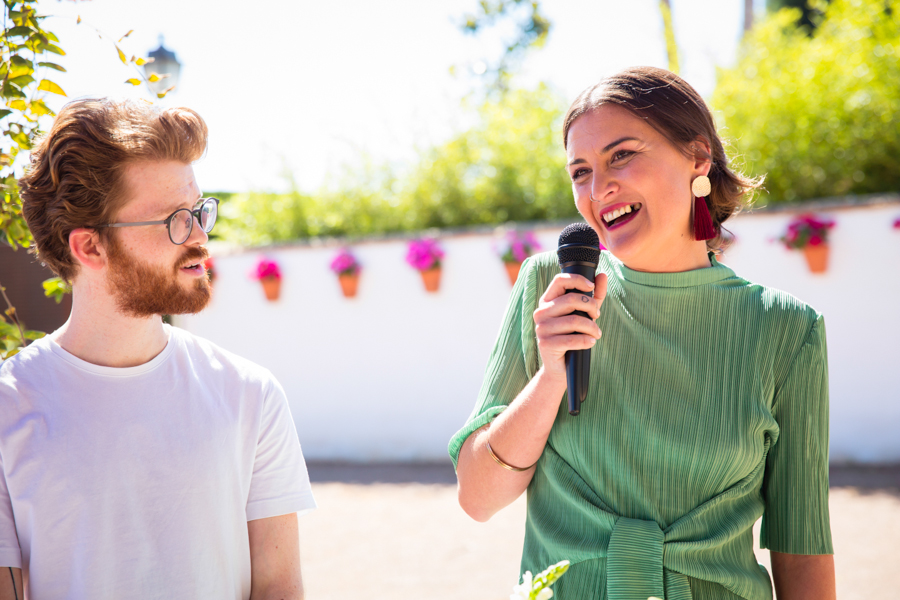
[707,407]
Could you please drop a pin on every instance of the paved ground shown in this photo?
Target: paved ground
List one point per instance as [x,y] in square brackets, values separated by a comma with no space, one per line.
[395,532]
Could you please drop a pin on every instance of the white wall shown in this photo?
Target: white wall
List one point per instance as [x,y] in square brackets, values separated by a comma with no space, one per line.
[394,372]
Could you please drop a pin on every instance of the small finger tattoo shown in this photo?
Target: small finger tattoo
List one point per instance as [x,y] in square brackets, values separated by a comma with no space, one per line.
[585,299]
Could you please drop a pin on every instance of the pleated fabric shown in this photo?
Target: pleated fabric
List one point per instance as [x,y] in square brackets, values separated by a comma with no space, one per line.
[707,408]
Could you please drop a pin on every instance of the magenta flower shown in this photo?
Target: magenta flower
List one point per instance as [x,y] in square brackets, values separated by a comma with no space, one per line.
[516,246]
[897,223]
[345,263]
[806,230]
[266,268]
[424,254]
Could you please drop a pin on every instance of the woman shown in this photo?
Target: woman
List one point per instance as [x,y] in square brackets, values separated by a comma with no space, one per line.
[708,398]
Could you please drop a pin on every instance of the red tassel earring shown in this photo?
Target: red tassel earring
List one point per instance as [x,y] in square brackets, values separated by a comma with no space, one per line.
[703,223]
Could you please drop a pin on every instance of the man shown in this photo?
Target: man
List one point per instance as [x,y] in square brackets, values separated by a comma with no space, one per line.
[137,460]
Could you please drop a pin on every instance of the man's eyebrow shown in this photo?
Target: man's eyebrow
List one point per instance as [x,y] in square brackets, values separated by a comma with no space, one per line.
[176,205]
[606,149]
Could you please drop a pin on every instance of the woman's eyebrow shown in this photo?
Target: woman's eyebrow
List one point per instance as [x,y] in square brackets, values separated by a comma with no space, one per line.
[606,149]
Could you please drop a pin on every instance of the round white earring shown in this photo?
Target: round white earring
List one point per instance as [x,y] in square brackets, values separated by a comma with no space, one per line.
[701,186]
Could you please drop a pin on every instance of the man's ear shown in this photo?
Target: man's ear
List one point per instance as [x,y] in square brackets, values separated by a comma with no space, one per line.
[86,248]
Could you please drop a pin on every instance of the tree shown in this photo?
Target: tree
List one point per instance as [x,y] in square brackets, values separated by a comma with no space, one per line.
[531,27]
[810,10]
[818,113]
[25,49]
[510,166]
[665,7]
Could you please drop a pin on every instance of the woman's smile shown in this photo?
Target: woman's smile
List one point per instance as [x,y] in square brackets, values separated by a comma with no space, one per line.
[613,217]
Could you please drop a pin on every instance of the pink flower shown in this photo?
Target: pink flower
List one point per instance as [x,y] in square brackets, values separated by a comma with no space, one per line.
[265,268]
[516,247]
[897,223]
[424,254]
[806,230]
[345,263]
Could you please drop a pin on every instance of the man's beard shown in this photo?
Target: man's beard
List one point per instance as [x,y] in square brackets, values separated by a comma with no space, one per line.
[142,290]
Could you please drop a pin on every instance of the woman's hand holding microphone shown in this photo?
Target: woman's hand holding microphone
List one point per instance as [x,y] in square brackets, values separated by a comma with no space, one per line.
[493,463]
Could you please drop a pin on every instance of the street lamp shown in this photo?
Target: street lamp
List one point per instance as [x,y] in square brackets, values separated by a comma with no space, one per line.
[165,66]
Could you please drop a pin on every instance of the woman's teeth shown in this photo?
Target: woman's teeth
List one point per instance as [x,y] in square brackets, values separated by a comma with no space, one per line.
[615,214]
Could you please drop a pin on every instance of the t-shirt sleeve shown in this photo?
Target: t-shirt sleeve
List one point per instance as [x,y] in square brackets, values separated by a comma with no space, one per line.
[10,553]
[795,488]
[280,482]
[513,361]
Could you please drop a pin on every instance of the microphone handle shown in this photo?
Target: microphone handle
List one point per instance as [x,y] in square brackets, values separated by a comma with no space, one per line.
[578,362]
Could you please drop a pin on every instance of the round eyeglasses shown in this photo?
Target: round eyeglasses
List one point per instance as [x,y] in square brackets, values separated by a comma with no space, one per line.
[181,222]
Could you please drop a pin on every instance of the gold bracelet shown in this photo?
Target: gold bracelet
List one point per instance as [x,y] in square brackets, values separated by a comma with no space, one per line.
[506,466]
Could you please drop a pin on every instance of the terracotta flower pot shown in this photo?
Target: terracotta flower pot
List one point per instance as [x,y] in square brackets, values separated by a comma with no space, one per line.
[512,269]
[432,279]
[816,258]
[349,282]
[272,287]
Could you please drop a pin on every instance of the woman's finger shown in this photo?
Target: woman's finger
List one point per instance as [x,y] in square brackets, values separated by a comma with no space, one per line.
[565,305]
[564,282]
[566,325]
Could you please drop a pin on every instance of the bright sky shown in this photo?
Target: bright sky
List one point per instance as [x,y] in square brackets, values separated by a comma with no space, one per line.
[304,87]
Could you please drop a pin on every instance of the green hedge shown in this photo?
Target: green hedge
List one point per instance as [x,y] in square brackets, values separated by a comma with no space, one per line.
[509,167]
[818,114]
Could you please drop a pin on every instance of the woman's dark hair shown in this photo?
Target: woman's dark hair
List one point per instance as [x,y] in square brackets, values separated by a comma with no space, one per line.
[675,109]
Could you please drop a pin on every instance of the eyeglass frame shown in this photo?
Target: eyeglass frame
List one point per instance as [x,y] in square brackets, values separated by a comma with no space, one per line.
[195,214]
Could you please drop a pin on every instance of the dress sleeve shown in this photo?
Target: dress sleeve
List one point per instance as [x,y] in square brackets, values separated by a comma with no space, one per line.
[279,484]
[795,488]
[514,360]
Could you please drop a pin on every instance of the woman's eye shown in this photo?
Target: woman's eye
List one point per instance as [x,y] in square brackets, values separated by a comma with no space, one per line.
[578,173]
[621,155]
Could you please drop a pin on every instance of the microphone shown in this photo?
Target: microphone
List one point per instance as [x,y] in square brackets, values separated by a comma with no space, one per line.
[579,252]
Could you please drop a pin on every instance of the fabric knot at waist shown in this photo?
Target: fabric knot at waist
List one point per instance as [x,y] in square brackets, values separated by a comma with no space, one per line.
[635,563]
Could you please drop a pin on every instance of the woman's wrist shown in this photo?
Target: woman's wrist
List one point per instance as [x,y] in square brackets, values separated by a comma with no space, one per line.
[550,382]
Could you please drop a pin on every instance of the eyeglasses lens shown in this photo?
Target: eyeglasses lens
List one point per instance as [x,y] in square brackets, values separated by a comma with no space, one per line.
[180,226]
[208,213]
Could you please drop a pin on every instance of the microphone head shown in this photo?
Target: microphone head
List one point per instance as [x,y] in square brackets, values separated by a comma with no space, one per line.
[578,243]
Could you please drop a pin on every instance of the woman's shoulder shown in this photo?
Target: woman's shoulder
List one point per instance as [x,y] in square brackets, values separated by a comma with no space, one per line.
[776,316]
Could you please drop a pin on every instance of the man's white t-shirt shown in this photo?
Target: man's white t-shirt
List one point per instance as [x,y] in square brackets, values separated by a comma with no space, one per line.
[139,482]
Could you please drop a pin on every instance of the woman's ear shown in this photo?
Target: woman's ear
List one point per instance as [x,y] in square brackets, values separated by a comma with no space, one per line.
[85,246]
[702,156]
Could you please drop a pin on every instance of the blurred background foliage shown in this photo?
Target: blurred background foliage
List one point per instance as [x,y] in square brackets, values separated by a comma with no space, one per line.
[510,166]
[811,103]
[816,110]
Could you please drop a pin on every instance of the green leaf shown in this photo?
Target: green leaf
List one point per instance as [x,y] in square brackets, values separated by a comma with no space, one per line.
[48,86]
[55,49]
[163,93]
[21,80]
[34,335]
[56,288]
[40,109]
[21,139]
[4,113]
[21,31]
[122,56]
[133,81]
[52,66]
